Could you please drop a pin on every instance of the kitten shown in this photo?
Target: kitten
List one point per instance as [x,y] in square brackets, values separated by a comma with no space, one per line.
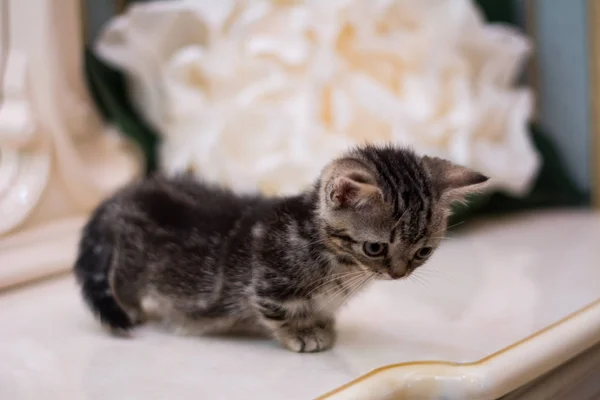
[205,260]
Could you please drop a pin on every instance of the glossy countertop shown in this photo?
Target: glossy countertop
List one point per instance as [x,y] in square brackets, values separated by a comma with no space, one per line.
[513,294]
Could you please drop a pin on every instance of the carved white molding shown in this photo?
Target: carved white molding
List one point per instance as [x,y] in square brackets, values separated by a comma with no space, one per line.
[24,169]
[57,159]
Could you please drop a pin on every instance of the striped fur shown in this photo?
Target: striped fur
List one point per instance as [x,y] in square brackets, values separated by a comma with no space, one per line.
[203,260]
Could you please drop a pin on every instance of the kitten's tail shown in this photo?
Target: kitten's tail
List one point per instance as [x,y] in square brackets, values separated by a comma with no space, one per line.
[92,270]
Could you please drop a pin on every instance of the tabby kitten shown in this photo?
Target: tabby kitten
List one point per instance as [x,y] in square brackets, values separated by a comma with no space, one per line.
[205,260]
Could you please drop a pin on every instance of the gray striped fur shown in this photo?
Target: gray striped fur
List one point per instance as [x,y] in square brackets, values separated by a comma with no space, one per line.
[205,260]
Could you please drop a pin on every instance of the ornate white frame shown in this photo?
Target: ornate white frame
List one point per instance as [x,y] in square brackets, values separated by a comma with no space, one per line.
[57,158]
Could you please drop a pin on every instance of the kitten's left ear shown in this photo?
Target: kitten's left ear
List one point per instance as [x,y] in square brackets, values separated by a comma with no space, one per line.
[453,181]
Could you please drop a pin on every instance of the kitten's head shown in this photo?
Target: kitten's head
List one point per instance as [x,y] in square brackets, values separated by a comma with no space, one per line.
[385,209]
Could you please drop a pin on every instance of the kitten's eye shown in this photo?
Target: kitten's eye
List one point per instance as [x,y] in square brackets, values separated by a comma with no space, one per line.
[374,249]
[424,252]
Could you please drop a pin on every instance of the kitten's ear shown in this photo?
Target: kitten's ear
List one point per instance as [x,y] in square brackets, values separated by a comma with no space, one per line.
[350,186]
[348,192]
[453,181]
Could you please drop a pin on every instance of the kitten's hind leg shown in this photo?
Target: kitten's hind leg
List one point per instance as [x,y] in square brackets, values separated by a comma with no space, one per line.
[182,318]
[126,296]
[94,268]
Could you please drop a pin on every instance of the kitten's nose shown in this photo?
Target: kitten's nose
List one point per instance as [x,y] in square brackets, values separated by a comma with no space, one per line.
[398,268]
[397,273]
[394,275]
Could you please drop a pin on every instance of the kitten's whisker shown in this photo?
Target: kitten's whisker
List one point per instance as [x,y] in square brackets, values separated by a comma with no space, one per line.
[413,278]
[351,285]
[454,225]
[341,287]
[421,279]
[431,270]
[361,285]
[448,227]
[333,275]
[333,279]
[434,272]
[329,299]
[357,288]
[332,290]
[336,275]
[419,276]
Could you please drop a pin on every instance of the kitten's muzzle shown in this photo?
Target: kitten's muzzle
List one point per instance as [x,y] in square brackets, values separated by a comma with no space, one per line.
[399,271]
[394,274]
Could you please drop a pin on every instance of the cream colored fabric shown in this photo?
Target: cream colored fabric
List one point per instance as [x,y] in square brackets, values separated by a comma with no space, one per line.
[57,159]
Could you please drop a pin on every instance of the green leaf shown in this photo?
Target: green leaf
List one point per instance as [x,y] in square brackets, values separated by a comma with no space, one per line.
[109,90]
[498,10]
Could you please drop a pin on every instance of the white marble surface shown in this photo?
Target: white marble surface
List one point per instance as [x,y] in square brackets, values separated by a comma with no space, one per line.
[487,288]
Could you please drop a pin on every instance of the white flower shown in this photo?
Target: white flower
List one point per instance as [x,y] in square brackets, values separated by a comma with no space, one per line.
[260,94]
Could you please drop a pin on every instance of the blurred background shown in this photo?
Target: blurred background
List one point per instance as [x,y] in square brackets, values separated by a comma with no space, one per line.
[258,95]
[501,86]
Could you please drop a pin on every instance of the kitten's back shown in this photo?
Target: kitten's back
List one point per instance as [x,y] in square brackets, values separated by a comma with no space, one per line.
[156,221]
[183,204]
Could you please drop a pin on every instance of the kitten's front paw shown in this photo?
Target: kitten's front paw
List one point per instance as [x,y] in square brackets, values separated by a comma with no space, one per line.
[309,340]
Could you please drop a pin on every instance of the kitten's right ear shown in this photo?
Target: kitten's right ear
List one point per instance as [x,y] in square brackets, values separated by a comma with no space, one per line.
[346,192]
[350,186]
